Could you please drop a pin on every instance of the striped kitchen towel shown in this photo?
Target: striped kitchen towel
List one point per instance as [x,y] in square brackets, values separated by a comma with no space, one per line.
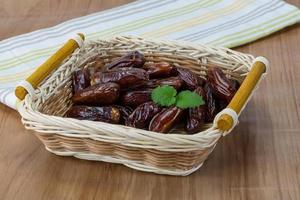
[227,23]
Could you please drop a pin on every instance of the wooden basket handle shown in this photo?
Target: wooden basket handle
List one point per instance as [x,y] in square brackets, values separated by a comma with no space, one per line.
[52,63]
[228,118]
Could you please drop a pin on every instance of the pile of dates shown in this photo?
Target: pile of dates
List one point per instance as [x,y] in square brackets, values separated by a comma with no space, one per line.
[120,93]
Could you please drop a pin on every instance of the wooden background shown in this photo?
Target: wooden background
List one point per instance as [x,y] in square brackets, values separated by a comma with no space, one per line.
[259,160]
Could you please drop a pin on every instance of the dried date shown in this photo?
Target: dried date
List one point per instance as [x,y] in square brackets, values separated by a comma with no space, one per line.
[196,116]
[159,70]
[99,94]
[221,104]
[222,87]
[164,121]
[189,78]
[201,81]
[136,97]
[142,115]
[80,80]
[211,104]
[126,77]
[125,111]
[108,114]
[132,59]
[235,84]
[176,82]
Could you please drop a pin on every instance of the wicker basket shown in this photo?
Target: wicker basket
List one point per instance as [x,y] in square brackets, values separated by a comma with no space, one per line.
[175,154]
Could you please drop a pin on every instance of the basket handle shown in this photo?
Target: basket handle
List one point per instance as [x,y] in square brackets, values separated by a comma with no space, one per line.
[52,63]
[228,118]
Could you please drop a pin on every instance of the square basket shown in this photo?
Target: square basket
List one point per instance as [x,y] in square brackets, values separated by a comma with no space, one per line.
[46,96]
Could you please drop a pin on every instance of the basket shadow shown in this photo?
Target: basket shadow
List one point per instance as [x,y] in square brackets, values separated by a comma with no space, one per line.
[237,153]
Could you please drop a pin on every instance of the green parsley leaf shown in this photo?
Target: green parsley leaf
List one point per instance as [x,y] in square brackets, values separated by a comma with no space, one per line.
[187,99]
[164,95]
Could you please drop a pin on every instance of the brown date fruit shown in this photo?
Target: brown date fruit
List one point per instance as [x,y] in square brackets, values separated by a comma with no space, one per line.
[164,121]
[222,87]
[142,115]
[221,104]
[235,84]
[136,97]
[132,59]
[176,82]
[189,78]
[196,116]
[99,94]
[125,111]
[210,102]
[108,114]
[92,67]
[159,70]
[80,80]
[201,81]
[127,78]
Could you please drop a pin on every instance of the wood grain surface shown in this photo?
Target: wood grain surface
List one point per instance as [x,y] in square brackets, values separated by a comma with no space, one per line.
[259,160]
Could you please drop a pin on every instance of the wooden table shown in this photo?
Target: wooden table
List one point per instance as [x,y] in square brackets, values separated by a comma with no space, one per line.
[259,160]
